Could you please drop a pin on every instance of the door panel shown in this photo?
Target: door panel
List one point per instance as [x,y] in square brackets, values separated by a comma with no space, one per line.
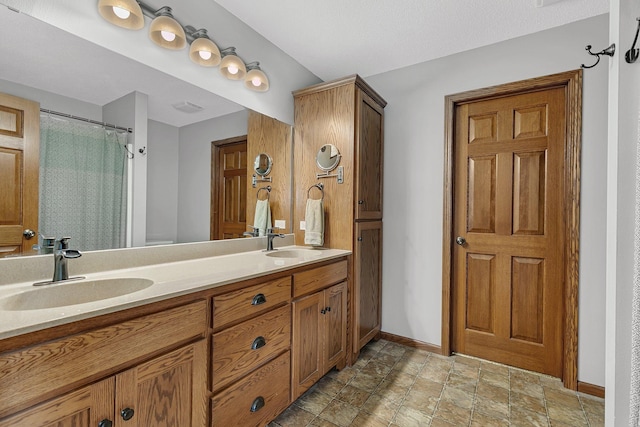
[19,171]
[508,277]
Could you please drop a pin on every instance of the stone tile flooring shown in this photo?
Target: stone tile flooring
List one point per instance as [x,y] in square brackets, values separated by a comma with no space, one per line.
[398,386]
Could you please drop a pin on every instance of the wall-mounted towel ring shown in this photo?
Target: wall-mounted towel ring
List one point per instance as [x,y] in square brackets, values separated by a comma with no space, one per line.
[267,189]
[319,186]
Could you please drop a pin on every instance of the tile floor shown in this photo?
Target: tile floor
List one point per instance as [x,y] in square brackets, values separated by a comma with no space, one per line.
[398,386]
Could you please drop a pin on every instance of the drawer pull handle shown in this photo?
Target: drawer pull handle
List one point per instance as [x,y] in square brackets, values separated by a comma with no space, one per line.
[127,414]
[105,423]
[257,404]
[258,343]
[259,299]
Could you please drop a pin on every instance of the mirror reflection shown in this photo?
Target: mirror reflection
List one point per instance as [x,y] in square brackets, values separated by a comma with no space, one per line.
[262,164]
[170,177]
[328,157]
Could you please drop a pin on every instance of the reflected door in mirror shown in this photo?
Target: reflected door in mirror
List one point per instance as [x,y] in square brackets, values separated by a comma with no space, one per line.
[19,157]
[229,186]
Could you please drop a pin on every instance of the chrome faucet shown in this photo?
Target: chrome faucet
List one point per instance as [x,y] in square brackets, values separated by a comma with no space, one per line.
[270,236]
[254,233]
[61,253]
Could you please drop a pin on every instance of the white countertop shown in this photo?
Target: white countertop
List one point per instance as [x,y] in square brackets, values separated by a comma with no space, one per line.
[170,280]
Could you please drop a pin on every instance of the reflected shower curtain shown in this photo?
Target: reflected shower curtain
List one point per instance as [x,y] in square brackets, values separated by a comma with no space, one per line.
[634,418]
[83,183]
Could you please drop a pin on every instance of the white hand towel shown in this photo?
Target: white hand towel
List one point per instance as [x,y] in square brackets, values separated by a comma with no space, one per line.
[262,218]
[314,227]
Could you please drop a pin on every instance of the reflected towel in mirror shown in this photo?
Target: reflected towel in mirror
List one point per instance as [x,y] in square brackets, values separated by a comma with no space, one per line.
[262,218]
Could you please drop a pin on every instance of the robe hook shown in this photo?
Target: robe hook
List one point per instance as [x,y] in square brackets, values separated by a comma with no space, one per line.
[608,51]
[632,54]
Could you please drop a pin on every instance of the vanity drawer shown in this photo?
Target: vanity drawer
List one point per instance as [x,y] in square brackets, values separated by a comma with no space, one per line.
[256,399]
[247,302]
[315,279]
[233,348]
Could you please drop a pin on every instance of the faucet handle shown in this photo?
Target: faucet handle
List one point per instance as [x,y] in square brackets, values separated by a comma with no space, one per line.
[62,243]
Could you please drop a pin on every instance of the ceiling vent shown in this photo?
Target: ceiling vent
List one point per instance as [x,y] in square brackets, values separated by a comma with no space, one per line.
[187,107]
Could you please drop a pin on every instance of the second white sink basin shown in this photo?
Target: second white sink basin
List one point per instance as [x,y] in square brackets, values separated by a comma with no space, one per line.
[294,253]
[64,294]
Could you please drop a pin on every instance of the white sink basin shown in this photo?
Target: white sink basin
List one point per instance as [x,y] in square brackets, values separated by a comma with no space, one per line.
[64,294]
[294,253]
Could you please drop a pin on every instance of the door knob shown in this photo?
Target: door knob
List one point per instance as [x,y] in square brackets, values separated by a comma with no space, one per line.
[460,240]
[28,233]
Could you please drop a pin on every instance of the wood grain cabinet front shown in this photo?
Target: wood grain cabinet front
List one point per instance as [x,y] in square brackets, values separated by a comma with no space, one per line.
[319,340]
[164,381]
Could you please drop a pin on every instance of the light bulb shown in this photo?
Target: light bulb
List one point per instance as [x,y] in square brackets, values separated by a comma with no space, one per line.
[204,54]
[256,81]
[232,69]
[120,12]
[168,35]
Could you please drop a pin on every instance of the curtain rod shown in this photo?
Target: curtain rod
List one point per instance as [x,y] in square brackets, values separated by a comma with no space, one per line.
[104,124]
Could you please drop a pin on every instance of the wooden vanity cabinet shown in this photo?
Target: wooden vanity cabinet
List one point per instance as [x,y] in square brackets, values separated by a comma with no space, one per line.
[349,114]
[160,360]
[319,340]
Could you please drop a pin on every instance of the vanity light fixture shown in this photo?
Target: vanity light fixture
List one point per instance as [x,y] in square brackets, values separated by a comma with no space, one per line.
[166,32]
[256,79]
[203,50]
[232,66]
[123,13]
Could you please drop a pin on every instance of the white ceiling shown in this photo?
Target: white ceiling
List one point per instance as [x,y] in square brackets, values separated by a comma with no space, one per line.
[334,38]
[331,38]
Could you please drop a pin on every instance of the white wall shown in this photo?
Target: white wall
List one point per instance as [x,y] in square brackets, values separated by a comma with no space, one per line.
[162,182]
[413,176]
[194,185]
[624,116]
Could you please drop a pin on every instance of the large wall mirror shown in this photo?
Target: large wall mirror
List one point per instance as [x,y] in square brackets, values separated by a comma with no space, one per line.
[71,75]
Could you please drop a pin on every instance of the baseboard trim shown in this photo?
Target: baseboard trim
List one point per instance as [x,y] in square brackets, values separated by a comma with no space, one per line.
[411,342]
[593,390]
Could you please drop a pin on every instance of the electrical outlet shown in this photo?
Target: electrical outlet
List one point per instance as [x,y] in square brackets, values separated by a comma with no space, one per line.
[280,223]
[303,225]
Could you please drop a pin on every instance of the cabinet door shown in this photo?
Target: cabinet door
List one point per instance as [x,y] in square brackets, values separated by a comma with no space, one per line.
[85,407]
[168,391]
[369,152]
[306,360]
[335,326]
[367,282]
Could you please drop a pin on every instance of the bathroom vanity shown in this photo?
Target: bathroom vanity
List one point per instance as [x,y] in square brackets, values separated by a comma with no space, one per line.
[214,341]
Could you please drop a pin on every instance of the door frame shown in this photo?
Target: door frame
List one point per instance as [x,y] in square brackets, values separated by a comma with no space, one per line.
[571,81]
[216,146]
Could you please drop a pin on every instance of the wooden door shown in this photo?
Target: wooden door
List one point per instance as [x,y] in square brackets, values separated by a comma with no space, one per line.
[168,391]
[508,266]
[19,170]
[306,343]
[85,407]
[335,319]
[369,144]
[229,188]
[367,258]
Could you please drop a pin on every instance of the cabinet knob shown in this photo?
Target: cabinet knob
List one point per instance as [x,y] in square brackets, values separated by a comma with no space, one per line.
[361,202]
[105,423]
[127,414]
[328,309]
[323,311]
[259,299]
[359,239]
[258,343]
[257,404]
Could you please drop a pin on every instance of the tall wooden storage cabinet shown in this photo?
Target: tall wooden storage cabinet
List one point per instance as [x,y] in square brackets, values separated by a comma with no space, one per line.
[349,114]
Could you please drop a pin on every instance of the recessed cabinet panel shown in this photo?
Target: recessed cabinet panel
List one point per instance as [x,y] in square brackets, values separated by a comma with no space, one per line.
[369,151]
[368,279]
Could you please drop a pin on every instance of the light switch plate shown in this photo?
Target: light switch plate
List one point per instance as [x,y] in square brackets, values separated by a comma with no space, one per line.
[303,225]
[280,223]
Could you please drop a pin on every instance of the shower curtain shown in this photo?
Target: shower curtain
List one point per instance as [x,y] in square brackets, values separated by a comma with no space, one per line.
[634,418]
[83,183]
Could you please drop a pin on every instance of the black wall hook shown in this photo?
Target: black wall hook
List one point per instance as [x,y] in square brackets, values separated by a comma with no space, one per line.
[608,51]
[632,54]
